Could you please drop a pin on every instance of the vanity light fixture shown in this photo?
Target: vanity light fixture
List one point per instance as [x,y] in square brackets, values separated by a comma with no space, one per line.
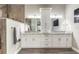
[56,16]
[33,16]
[51,16]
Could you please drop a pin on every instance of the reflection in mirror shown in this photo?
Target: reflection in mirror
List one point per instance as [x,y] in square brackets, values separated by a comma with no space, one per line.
[76,15]
[55,24]
[33,24]
[49,19]
[27,24]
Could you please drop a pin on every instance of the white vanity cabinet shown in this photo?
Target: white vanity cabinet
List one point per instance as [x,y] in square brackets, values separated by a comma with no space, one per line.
[47,41]
[30,41]
[62,41]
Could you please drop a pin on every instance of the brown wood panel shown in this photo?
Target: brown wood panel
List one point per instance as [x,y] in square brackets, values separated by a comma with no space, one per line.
[16,12]
[3,35]
[4,11]
[13,11]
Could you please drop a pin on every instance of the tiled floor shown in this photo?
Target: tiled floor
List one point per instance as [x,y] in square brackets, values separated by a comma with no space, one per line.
[47,51]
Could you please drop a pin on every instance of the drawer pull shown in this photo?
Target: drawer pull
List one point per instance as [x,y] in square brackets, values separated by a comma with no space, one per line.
[59,39]
[46,44]
[46,39]
[66,39]
[33,39]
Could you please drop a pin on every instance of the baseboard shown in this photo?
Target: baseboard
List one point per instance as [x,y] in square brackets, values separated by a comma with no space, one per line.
[47,48]
[18,51]
[76,50]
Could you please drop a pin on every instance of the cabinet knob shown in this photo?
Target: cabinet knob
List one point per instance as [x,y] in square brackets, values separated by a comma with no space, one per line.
[59,39]
[46,39]
[66,39]
[33,39]
[46,44]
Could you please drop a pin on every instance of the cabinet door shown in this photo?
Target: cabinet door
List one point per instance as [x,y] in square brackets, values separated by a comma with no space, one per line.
[69,41]
[58,41]
[62,42]
[31,41]
[35,41]
[55,42]
[26,41]
[65,41]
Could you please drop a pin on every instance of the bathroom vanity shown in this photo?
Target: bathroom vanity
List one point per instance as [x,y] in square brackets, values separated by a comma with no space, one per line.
[47,40]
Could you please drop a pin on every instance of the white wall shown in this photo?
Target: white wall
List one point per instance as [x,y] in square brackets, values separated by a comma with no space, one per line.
[74,26]
[12,48]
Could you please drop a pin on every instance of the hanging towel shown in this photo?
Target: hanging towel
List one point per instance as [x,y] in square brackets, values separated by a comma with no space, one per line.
[14,35]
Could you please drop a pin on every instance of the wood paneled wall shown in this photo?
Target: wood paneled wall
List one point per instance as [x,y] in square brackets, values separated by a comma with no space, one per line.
[3,35]
[4,11]
[16,12]
[13,11]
